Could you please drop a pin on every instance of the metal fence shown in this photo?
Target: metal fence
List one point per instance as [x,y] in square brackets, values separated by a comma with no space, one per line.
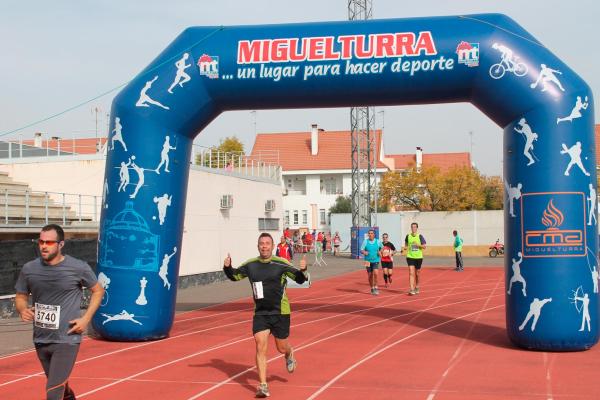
[235,162]
[27,207]
[11,150]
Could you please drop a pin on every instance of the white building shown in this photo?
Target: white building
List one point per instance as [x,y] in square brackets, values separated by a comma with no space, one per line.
[317,166]
[316,169]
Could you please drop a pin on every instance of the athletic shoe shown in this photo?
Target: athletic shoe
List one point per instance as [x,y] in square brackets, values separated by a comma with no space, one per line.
[390,279]
[411,293]
[386,285]
[372,291]
[417,290]
[290,362]
[376,291]
[262,391]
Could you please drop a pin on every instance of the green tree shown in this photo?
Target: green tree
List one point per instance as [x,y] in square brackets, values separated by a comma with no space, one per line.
[342,205]
[494,193]
[462,189]
[231,145]
[229,151]
[412,189]
[459,188]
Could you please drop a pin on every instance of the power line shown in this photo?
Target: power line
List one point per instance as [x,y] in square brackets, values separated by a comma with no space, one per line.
[83,103]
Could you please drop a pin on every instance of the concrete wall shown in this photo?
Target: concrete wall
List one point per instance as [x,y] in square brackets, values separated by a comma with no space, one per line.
[478,229]
[209,232]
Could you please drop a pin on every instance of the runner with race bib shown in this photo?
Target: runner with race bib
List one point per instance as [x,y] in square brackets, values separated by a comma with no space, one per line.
[387,259]
[55,282]
[267,275]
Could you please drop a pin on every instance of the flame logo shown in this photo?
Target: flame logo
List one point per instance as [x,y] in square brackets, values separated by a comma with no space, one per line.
[552,217]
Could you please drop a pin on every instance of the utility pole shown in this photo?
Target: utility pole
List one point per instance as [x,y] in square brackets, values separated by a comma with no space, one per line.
[96,110]
[362,126]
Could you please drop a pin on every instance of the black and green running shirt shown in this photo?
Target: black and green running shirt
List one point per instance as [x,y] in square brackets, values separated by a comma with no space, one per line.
[268,280]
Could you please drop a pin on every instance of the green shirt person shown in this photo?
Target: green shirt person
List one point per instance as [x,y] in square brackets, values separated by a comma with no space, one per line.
[458,243]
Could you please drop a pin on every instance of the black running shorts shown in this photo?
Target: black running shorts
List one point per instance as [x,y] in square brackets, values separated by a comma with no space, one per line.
[387,264]
[415,262]
[279,325]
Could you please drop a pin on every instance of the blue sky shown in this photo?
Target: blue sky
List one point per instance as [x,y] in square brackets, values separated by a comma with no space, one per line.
[57,54]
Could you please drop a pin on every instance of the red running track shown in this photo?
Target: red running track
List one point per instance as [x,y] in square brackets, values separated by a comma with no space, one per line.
[449,342]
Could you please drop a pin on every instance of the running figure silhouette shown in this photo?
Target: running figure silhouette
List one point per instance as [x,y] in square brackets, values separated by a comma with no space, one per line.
[181,77]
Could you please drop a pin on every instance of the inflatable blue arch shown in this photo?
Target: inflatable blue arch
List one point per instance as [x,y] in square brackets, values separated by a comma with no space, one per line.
[545,109]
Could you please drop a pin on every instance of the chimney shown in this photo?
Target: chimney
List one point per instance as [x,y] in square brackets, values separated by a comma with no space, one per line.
[314,140]
[419,158]
[37,139]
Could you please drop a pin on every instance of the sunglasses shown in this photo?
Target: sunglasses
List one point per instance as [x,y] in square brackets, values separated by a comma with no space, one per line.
[47,242]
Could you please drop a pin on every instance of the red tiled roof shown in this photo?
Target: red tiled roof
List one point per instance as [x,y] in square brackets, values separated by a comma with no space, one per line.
[77,146]
[444,161]
[295,150]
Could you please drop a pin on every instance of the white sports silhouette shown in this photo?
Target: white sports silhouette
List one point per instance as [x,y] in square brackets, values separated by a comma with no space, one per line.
[535,309]
[181,77]
[164,155]
[530,136]
[513,193]
[141,300]
[593,199]
[576,111]
[162,203]
[118,136]
[145,99]
[164,268]
[517,277]
[595,279]
[122,316]
[585,318]
[547,75]
[124,175]
[105,193]
[140,172]
[575,153]
[507,54]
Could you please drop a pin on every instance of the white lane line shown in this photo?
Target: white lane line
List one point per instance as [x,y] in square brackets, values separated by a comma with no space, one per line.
[145,344]
[352,367]
[299,348]
[455,357]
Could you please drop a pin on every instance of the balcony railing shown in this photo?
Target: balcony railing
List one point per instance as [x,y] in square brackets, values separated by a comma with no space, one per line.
[235,163]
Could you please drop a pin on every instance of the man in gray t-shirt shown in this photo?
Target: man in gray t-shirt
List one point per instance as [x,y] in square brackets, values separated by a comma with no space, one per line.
[56,283]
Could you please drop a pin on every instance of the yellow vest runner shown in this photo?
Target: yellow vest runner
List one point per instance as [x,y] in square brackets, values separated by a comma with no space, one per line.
[413,243]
